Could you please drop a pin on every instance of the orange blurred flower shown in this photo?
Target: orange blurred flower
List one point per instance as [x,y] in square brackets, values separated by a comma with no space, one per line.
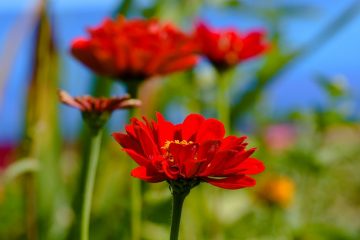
[226,48]
[135,49]
[276,190]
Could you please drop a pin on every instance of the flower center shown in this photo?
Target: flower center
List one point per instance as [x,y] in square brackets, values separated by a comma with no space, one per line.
[166,147]
[167,144]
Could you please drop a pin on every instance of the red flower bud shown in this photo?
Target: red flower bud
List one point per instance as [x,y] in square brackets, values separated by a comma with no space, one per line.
[226,48]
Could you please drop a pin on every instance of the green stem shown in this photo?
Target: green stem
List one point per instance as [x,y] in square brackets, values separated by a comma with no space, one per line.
[135,208]
[135,191]
[178,201]
[89,184]
[223,97]
[136,205]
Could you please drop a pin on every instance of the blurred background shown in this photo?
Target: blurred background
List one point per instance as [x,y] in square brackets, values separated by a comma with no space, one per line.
[299,104]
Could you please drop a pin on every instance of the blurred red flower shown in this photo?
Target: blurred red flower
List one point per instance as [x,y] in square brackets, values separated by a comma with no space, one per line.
[135,49]
[99,105]
[193,150]
[7,151]
[226,48]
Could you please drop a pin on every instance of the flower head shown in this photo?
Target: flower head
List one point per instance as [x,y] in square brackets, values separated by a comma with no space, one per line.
[227,48]
[135,49]
[195,150]
[96,111]
[98,105]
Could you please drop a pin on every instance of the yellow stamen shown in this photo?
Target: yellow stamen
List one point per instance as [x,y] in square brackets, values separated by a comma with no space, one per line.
[183,142]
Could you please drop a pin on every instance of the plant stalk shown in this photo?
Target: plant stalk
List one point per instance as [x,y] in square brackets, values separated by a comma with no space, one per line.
[135,191]
[89,184]
[223,101]
[178,201]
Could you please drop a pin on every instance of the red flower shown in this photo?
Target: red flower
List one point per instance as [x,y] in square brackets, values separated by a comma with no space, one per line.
[193,150]
[7,151]
[98,105]
[227,48]
[135,49]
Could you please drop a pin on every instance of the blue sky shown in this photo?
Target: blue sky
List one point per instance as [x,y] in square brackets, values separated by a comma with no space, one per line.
[62,4]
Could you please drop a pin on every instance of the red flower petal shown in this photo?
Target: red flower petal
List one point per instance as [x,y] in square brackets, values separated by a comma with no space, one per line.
[142,173]
[207,150]
[206,153]
[235,160]
[172,171]
[233,182]
[98,105]
[233,142]
[180,64]
[215,167]
[190,126]
[166,130]
[210,129]
[127,142]
[253,45]
[184,155]
[147,143]
[137,157]
[249,166]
